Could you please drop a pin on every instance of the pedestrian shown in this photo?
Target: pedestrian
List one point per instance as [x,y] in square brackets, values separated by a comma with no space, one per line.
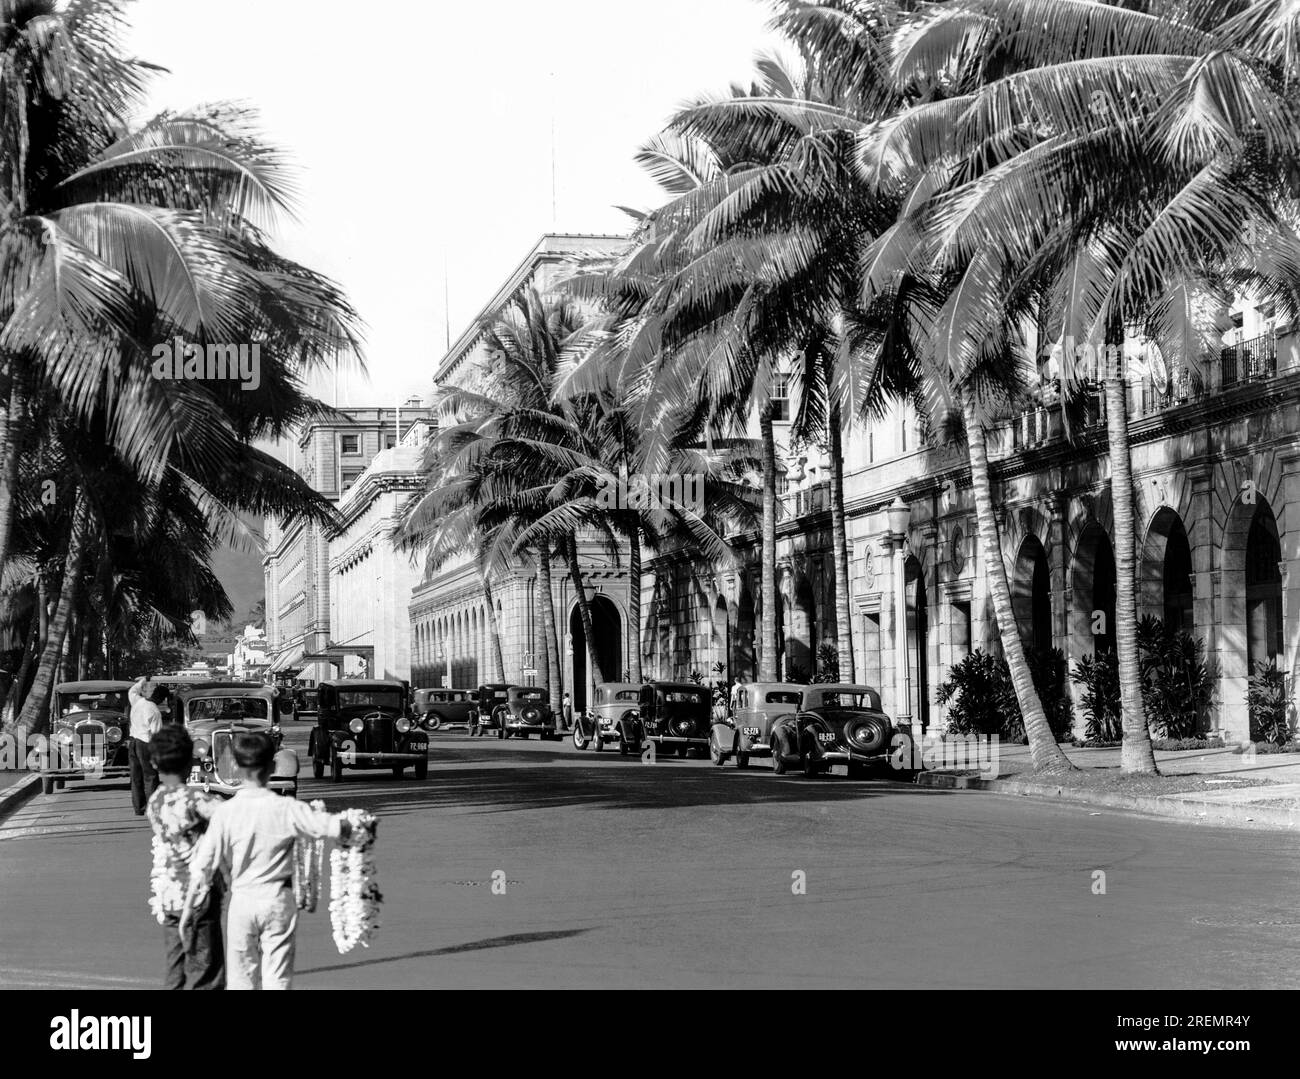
[735,694]
[180,815]
[566,713]
[252,838]
[146,719]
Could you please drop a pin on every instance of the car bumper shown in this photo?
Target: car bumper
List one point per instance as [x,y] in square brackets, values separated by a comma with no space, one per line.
[678,740]
[531,728]
[213,785]
[89,771]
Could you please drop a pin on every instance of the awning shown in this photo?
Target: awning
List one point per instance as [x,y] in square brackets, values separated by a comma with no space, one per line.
[285,659]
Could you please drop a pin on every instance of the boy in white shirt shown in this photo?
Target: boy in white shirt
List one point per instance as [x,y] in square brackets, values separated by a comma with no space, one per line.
[252,838]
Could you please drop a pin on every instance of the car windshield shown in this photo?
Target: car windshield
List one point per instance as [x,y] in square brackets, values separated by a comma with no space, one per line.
[784,697]
[308,697]
[685,696]
[370,698]
[229,708]
[529,695]
[845,699]
[112,700]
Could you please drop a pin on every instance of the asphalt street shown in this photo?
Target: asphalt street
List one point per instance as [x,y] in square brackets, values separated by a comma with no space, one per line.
[619,873]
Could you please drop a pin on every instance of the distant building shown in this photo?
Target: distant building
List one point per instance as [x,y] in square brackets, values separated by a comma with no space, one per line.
[331,454]
[249,661]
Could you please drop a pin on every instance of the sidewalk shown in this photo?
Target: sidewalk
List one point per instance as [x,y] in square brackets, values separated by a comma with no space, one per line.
[1220,786]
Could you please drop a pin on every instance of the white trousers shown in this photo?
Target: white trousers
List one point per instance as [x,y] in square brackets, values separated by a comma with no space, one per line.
[260,927]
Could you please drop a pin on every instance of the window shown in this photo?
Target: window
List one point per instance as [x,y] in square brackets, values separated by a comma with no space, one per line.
[349,443]
[781,399]
[782,484]
[349,476]
[961,630]
[390,440]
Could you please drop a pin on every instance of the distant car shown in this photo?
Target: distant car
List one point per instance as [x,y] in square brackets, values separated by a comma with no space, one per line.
[526,711]
[676,716]
[365,723]
[214,714]
[305,703]
[443,707]
[836,723]
[614,717]
[90,724]
[483,711]
[747,732]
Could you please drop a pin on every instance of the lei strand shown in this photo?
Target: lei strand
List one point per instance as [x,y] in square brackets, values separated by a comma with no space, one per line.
[354,894]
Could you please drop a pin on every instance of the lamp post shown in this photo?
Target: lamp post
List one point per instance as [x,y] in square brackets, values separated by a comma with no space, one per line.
[897,516]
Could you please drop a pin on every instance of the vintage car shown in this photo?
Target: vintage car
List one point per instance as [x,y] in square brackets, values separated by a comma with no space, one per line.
[365,723]
[676,715]
[214,713]
[483,711]
[614,717]
[90,725]
[745,732]
[305,702]
[525,711]
[443,707]
[832,723]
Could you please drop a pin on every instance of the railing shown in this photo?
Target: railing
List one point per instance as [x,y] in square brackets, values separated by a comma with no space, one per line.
[1248,361]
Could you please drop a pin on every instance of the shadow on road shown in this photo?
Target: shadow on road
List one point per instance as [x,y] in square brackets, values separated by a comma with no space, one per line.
[453,949]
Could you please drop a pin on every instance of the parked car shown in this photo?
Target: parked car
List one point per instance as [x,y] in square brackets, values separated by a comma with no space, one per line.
[526,711]
[89,727]
[483,712]
[214,714]
[747,732]
[613,717]
[443,707]
[306,702]
[365,723]
[676,716]
[837,723]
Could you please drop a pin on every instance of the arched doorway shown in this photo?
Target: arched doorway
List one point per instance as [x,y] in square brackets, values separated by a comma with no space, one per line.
[743,662]
[918,643]
[1093,591]
[607,628]
[1031,596]
[1165,576]
[803,629]
[720,641]
[1263,589]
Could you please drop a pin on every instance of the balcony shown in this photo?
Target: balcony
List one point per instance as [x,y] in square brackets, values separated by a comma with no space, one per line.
[1249,361]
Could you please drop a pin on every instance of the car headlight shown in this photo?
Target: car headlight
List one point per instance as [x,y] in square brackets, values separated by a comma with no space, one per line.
[403,725]
[356,726]
[113,734]
[66,736]
[201,749]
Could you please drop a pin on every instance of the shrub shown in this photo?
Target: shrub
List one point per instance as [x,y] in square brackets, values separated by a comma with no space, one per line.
[1269,701]
[982,699]
[1173,744]
[828,663]
[1097,676]
[1176,682]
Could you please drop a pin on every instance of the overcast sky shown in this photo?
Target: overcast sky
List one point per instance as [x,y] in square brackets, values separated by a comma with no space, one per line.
[423,132]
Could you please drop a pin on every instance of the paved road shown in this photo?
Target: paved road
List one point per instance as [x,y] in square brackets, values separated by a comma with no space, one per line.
[620,873]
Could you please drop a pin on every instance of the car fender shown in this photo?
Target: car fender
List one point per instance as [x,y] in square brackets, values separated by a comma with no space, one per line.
[725,735]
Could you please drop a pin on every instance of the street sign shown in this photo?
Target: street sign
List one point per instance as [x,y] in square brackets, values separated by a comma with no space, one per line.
[530,672]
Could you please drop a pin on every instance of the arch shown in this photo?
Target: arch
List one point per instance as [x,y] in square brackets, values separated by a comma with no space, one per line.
[918,633]
[607,628]
[1031,595]
[744,663]
[802,640]
[720,639]
[1092,591]
[1165,572]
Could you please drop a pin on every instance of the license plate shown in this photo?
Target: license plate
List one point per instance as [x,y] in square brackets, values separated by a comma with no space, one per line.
[825,739]
[749,732]
[90,762]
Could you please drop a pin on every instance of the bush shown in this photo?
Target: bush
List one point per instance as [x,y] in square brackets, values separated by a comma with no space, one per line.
[828,663]
[1175,744]
[1270,704]
[1097,676]
[982,699]
[798,674]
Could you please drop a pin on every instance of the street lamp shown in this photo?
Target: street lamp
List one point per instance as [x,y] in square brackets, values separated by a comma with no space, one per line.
[897,515]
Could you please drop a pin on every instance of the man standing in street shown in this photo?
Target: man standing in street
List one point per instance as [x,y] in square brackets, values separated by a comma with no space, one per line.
[145,723]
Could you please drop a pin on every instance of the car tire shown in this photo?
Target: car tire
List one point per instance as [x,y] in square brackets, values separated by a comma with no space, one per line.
[336,767]
[580,742]
[432,721]
[422,769]
[715,752]
[811,767]
[317,762]
[597,742]
[398,769]
[778,754]
[742,760]
[47,784]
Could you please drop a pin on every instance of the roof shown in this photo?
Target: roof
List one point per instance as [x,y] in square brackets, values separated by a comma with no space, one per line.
[679,685]
[842,687]
[92,686]
[227,688]
[362,683]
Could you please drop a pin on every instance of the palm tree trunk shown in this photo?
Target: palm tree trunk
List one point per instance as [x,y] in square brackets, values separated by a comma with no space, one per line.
[1044,753]
[34,715]
[550,638]
[767,671]
[24,670]
[584,608]
[10,435]
[634,603]
[1136,753]
[840,545]
[494,628]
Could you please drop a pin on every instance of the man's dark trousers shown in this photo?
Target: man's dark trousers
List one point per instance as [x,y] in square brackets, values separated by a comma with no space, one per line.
[203,967]
[144,777]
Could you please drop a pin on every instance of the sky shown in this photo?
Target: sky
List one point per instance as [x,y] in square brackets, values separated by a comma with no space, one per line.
[423,130]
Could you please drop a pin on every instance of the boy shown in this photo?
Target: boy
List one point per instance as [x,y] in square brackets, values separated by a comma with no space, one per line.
[179,817]
[253,836]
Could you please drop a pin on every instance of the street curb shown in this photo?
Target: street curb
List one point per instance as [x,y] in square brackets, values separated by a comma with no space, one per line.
[14,796]
[1158,805]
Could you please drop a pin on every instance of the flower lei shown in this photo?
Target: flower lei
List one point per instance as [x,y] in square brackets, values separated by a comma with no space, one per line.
[167,888]
[354,895]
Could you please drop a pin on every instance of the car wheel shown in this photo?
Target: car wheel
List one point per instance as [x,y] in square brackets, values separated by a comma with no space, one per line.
[47,784]
[811,767]
[422,769]
[580,742]
[742,760]
[432,721]
[317,763]
[398,769]
[715,752]
[336,767]
[778,754]
[597,742]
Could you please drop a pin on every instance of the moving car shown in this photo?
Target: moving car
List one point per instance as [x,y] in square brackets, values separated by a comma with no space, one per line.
[526,711]
[214,713]
[365,723]
[676,715]
[483,713]
[305,702]
[747,732]
[89,727]
[614,717]
[443,707]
